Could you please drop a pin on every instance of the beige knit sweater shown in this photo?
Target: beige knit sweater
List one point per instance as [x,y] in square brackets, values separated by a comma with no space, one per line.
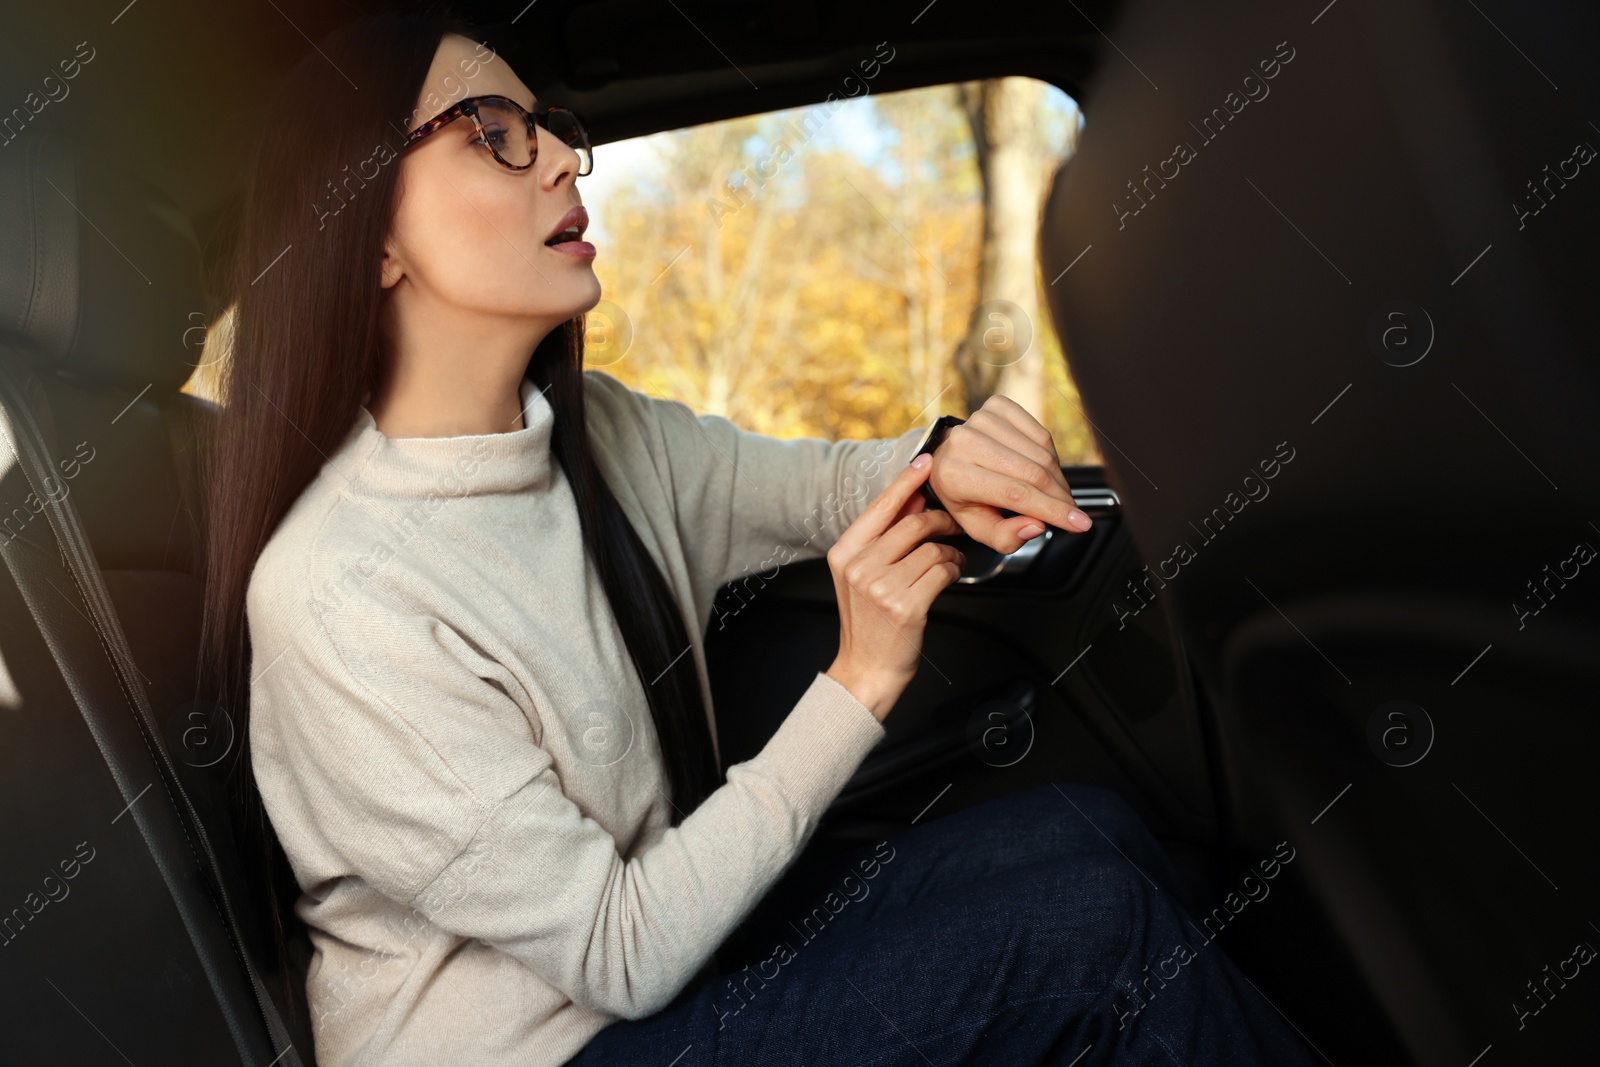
[459,758]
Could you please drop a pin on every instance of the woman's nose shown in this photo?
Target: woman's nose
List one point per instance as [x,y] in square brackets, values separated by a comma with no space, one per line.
[557,159]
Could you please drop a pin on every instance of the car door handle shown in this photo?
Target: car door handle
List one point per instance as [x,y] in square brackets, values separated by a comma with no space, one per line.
[1096,503]
[1012,563]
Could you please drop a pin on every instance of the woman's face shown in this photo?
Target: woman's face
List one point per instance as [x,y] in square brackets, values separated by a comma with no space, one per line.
[468,235]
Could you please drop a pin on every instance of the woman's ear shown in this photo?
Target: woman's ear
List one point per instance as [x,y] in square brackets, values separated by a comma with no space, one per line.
[391,271]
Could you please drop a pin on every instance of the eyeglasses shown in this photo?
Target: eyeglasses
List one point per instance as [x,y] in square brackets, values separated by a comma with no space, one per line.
[506,129]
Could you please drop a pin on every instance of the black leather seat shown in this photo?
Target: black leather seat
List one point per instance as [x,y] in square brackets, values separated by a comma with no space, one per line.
[1337,270]
[126,931]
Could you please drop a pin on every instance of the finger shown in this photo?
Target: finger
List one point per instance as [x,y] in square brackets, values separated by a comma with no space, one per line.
[1001,489]
[924,556]
[915,505]
[1001,429]
[1008,436]
[987,527]
[1025,528]
[885,507]
[906,534]
[934,581]
[1016,419]
[1013,439]
[1017,415]
[928,558]
[1038,469]
[1026,499]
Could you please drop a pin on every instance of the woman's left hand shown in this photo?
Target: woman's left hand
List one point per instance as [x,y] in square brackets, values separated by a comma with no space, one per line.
[1002,458]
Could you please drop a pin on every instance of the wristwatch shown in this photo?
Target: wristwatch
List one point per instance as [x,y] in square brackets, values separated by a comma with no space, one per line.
[936,434]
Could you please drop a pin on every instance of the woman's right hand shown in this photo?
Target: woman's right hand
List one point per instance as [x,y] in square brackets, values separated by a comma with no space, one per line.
[886,574]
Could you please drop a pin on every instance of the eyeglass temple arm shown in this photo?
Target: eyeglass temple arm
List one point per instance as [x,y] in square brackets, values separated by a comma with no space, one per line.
[459,110]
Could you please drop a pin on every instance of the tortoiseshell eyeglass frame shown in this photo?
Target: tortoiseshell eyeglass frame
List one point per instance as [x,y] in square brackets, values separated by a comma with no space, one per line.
[540,116]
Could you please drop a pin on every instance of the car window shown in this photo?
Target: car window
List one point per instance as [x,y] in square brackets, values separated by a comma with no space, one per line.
[820,271]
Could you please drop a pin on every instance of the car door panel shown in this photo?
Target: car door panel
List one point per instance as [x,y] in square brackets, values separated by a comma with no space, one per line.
[1027,678]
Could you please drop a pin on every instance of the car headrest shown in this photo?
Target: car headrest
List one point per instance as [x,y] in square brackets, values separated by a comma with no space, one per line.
[1344,260]
[100,273]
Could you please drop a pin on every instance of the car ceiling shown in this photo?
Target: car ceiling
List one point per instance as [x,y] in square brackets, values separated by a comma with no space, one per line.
[171,87]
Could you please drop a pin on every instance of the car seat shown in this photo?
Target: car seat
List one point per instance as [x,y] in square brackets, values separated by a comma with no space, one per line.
[1325,275]
[124,919]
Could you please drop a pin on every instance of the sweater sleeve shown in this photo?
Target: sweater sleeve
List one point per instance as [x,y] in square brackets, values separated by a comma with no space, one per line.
[425,779]
[747,502]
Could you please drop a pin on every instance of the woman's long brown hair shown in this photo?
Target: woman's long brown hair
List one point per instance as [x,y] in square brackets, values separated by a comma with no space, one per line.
[305,350]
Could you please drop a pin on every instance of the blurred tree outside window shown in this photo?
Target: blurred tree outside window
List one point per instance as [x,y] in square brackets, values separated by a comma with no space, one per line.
[843,273]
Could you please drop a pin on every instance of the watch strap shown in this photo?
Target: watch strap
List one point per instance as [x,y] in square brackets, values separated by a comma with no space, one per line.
[936,435]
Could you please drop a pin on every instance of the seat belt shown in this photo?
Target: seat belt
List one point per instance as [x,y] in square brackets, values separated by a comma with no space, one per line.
[27,442]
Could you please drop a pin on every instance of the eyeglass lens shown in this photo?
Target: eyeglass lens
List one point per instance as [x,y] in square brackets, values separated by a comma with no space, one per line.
[507,133]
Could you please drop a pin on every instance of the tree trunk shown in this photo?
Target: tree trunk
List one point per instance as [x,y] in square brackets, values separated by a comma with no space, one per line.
[998,353]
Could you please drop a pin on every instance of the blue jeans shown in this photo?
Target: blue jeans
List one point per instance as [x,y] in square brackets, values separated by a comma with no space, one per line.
[1040,928]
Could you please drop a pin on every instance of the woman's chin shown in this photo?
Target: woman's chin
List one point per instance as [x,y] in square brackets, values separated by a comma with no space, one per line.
[582,294]
[591,287]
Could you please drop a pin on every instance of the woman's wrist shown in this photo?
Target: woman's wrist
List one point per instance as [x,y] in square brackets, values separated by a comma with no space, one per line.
[873,689]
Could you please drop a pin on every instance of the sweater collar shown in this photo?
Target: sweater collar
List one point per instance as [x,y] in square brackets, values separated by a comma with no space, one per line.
[464,465]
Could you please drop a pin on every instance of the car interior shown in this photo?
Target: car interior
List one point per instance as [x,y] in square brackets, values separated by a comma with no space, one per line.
[1330,317]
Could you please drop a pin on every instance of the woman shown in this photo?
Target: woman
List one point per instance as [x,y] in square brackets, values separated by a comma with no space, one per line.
[462,584]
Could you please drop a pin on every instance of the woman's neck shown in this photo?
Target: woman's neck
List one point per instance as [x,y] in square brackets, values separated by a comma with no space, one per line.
[451,372]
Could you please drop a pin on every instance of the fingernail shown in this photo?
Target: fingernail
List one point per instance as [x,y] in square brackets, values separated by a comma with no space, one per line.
[922,461]
[1078,519]
[1030,531]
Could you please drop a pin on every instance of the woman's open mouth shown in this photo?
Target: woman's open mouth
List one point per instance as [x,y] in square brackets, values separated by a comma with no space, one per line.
[568,237]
